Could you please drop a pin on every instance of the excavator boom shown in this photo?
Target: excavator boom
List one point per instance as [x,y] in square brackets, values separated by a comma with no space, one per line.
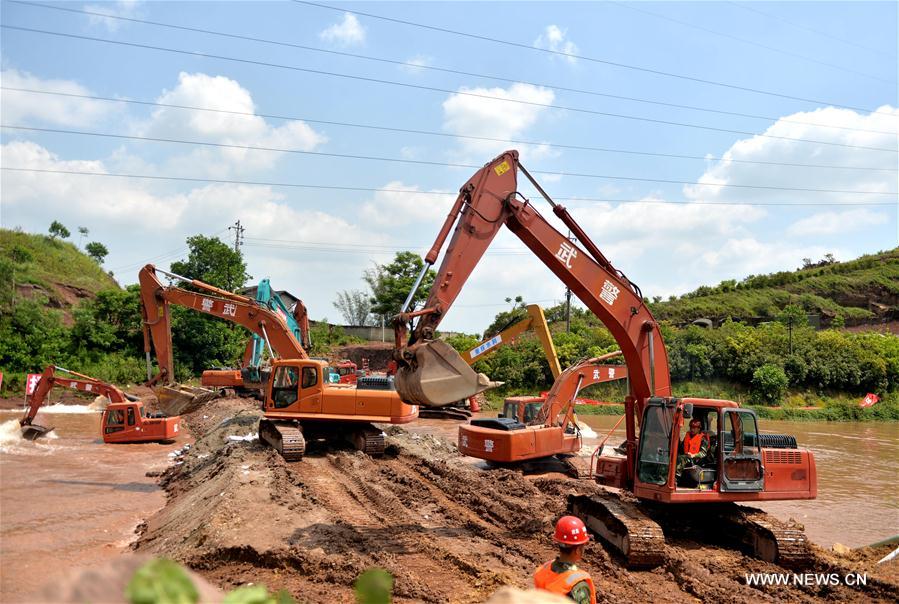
[428,372]
[156,299]
[48,380]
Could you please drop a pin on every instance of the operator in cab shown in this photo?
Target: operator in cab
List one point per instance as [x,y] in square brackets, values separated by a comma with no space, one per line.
[562,576]
[695,447]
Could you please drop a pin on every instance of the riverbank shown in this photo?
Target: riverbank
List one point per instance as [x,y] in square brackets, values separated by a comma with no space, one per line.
[796,406]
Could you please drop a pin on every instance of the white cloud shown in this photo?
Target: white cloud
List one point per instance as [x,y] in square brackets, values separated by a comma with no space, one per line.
[554,38]
[108,200]
[830,223]
[24,107]
[416,64]
[491,115]
[346,33]
[122,8]
[219,92]
[406,204]
[778,150]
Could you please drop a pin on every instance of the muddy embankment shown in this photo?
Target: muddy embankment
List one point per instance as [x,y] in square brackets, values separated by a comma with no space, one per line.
[449,532]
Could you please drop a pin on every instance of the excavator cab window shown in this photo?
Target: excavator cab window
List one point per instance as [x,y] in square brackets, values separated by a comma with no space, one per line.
[115,421]
[285,386]
[310,377]
[654,457]
[531,410]
[130,416]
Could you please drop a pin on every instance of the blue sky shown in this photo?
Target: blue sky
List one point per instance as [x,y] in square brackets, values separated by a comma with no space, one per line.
[668,237]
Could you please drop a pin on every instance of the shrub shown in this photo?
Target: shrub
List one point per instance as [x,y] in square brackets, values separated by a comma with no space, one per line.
[769,383]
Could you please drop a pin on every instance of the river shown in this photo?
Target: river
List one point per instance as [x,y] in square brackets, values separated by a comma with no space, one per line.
[69,501]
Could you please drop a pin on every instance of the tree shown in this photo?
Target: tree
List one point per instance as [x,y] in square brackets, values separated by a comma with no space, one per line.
[769,384]
[83,233]
[213,262]
[354,306]
[793,316]
[57,229]
[97,251]
[391,283]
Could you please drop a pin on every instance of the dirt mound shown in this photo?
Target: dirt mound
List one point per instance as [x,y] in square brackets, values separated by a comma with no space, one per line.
[449,532]
[377,353]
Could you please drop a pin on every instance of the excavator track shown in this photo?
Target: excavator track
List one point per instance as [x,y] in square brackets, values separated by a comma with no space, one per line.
[369,440]
[621,524]
[767,538]
[285,437]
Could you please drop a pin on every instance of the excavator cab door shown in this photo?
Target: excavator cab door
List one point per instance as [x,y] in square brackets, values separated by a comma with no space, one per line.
[740,452]
[655,453]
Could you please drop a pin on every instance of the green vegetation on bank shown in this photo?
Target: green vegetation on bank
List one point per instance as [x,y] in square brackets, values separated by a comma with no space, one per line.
[48,264]
[838,291]
[772,365]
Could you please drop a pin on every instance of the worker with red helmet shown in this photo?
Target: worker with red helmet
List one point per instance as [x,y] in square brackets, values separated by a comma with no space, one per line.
[562,576]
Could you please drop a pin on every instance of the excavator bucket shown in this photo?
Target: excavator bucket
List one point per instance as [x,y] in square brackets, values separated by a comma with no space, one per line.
[441,377]
[34,432]
[177,399]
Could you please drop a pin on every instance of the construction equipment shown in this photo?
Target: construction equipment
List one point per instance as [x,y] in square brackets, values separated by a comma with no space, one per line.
[534,320]
[300,403]
[125,419]
[744,465]
[529,409]
[251,376]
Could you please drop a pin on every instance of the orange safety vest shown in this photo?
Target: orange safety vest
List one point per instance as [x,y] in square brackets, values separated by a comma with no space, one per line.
[562,583]
[693,443]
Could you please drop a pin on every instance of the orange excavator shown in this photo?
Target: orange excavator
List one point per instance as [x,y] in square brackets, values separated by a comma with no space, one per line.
[300,403]
[742,465]
[125,419]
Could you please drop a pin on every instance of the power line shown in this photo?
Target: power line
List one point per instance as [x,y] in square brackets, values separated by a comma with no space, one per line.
[385,190]
[585,58]
[441,134]
[811,29]
[434,88]
[751,42]
[439,69]
[421,162]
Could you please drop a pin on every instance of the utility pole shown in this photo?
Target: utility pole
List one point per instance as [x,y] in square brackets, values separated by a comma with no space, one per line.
[238,235]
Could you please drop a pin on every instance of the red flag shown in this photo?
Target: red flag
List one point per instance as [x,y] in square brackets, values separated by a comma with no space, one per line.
[31,383]
[870,400]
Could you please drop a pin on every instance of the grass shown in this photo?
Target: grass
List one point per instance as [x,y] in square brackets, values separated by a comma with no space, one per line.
[843,289]
[52,262]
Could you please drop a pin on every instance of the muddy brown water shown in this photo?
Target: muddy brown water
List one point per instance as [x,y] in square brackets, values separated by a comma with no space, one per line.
[69,501]
[72,502]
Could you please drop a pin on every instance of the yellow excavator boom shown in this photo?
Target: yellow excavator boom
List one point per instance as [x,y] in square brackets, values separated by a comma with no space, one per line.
[536,321]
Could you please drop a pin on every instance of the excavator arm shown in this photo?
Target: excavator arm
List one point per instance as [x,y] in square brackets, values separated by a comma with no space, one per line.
[48,380]
[536,321]
[156,299]
[430,375]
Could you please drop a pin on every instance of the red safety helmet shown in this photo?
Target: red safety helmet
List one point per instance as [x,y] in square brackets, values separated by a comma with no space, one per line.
[570,530]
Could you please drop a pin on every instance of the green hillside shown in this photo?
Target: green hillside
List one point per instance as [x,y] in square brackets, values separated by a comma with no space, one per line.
[43,267]
[864,290]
